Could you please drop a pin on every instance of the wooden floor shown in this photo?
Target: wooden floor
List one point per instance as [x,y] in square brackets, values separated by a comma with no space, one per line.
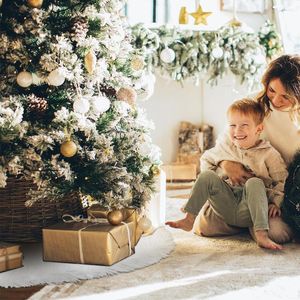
[18,293]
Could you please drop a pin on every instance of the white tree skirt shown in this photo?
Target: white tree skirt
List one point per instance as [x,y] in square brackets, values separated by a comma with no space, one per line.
[150,250]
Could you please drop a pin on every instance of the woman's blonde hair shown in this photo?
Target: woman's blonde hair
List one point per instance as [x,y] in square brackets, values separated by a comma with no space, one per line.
[287,69]
[248,107]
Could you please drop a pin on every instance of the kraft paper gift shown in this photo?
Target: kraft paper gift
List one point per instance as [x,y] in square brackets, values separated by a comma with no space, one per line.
[10,256]
[88,243]
[130,215]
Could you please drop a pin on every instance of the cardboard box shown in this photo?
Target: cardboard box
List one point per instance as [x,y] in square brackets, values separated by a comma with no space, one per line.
[11,257]
[88,243]
[180,172]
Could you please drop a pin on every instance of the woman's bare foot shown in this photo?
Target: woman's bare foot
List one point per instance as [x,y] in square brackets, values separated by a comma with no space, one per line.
[264,241]
[184,224]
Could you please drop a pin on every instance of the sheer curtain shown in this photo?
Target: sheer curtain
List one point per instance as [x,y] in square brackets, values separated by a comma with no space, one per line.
[287,14]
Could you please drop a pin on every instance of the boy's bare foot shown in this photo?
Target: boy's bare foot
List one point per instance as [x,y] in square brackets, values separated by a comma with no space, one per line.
[264,241]
[184,224]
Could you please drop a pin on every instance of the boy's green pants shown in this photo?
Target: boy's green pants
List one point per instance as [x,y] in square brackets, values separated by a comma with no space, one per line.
[239,206]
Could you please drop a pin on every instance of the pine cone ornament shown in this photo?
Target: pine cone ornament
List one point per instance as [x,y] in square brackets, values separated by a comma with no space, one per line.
[108,91]
[37,106]
[79,29]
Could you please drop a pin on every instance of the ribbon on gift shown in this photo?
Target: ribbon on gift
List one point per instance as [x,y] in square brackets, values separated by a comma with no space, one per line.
[95,221]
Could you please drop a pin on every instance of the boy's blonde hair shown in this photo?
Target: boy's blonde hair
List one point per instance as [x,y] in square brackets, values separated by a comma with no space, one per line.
[248,107]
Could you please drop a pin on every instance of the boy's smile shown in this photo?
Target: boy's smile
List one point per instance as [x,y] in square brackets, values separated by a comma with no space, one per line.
[243,130]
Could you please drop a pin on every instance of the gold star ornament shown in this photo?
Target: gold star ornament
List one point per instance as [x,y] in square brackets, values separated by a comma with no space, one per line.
[200,16]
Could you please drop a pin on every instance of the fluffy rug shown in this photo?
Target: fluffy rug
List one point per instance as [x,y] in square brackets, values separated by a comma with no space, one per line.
[199,268]
[149,250]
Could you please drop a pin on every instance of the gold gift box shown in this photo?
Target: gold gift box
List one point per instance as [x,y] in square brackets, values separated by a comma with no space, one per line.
[130,215]
[10,256]
[88,243]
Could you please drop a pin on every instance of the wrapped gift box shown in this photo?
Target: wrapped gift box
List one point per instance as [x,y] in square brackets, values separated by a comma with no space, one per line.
[130,215]
[88,243]
[10,257]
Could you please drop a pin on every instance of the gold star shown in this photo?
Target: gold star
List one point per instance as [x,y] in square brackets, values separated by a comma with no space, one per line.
[200,16]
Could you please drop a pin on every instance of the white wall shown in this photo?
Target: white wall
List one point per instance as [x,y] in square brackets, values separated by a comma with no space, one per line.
[172,103]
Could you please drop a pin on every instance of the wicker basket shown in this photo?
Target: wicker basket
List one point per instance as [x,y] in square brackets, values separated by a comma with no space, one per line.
[24,224]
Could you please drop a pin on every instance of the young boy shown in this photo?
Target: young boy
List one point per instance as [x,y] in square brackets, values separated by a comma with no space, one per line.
[242,206]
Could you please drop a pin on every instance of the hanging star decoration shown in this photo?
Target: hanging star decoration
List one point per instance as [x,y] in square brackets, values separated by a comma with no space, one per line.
[200,16]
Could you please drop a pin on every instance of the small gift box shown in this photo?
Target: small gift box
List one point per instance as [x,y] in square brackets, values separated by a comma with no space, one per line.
[10,256]
[130,215]
[88,243]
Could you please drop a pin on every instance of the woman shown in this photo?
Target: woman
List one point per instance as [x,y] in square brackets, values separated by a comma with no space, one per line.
[281,99]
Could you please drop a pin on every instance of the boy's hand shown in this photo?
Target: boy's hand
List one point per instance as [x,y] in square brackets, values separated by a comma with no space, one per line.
[236,172]
[274,211]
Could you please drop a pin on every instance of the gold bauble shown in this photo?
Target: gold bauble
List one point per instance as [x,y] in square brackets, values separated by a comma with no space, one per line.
[183,16]
[35,3]
[115,217]
[127,94]
[137,63]
[90,61]
[200,16]
[68,149]
[155,170]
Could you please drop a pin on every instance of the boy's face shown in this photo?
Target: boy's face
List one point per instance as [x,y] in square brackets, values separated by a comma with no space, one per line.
[243,130]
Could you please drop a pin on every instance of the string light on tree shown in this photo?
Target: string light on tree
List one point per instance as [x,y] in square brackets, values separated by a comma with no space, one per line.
[24,79]
[35,3]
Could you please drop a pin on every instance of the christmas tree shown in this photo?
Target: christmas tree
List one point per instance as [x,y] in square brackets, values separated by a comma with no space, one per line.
[68,114]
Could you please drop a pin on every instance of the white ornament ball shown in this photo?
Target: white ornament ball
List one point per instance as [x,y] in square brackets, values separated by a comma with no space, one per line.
[144,224]
[81,105]
[217,52]
[56,78]
[167,55]
[260,59]
[24,79]
[100,104]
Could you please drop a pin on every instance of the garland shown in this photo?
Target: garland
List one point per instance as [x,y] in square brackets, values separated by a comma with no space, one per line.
[189,54]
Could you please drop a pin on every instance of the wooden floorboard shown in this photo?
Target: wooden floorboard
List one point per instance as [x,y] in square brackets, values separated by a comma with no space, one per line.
[19,293]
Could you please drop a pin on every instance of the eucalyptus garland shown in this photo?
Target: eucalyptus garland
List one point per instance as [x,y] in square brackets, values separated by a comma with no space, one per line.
[184,54]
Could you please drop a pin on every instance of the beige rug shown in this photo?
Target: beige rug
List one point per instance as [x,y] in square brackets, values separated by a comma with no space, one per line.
[199,268]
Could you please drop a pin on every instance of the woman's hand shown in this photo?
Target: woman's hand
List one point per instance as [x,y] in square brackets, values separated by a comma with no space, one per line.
[236,172]
[274,211]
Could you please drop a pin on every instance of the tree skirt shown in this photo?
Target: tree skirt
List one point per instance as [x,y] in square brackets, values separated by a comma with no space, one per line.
[150,250]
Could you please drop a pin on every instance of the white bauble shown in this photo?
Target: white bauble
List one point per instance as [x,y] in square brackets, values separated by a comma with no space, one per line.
[167,55]
[24,79]
[36,79]
[56,78]
[146,91]
[260,59]
[81,105]
[100,104]
[217,52]
[144,224]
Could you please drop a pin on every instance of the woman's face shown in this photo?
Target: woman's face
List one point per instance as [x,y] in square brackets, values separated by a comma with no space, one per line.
[278,96]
